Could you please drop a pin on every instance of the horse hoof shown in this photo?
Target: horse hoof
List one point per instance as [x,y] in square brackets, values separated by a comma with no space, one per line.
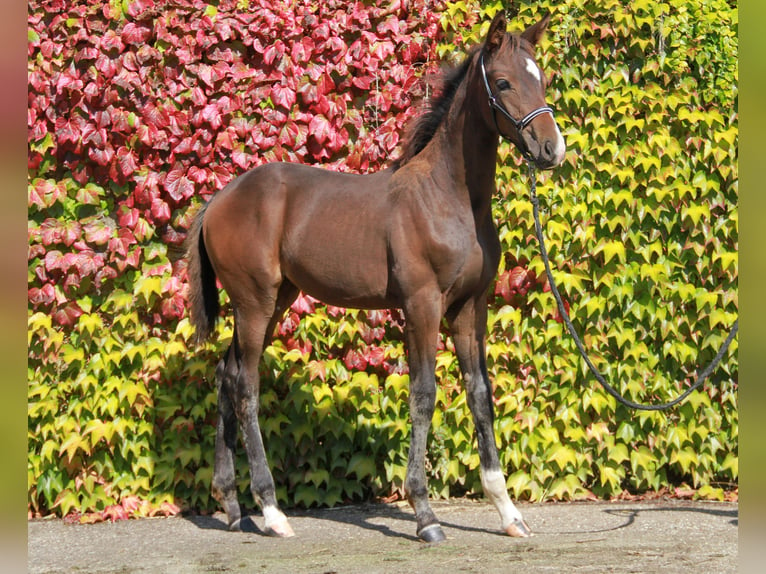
[235,526]
[432,534]
[518,529]
[280,530]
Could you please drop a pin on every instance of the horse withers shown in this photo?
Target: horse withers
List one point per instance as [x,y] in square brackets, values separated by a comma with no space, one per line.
[417,236]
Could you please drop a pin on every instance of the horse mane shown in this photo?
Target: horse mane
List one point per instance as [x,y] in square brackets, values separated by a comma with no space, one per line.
[423,127]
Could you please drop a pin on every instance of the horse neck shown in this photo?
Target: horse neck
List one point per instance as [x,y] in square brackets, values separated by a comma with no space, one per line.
[470,145]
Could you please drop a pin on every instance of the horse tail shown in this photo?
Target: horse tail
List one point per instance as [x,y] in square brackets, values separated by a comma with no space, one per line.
[203,293]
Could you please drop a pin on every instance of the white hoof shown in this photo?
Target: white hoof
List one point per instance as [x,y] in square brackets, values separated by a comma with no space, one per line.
[276,523]
[518,529]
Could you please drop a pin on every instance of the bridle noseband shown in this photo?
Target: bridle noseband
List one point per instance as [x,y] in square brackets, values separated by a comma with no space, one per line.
[496,106]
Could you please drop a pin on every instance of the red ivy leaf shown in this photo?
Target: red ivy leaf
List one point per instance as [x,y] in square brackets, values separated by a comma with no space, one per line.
[66,131]
[224,140]
[122,242]
[196,174]
[354,361]
[212,115]
[127,217]
[274,51]
[240,157]
[184,147]
[377,318]
[156,117]
[178,186]
[198,96]
[205,73]
[53,260]
[69,82]
[102,157]
[111,41]
[362,82]
[304,304]
[174,307]
[50,232]
[114,513]
[45,193]
[127,161]
[375,356]
[320,128]
[41,296]
[502,288]
[99,231]
[517,278]
[134,34]
[289,324]
[557,315]
[138,7]
[70,232]
[67,316]
[282,96]
[160,211]
[107,66]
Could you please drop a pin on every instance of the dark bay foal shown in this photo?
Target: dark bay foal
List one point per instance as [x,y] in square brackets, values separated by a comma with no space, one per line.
[418,236]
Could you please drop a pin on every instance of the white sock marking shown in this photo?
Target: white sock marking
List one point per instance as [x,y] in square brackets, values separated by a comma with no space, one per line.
[273,515]
[493,483]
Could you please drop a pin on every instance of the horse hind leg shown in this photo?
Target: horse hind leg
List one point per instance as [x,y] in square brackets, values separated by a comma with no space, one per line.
[224,487]
[255,327]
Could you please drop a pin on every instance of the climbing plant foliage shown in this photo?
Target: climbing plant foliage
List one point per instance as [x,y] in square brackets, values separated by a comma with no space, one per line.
[140,110]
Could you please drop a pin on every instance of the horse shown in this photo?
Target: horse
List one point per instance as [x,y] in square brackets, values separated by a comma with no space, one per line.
[416,236]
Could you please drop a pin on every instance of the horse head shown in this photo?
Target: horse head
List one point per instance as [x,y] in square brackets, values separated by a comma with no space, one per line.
[515,88]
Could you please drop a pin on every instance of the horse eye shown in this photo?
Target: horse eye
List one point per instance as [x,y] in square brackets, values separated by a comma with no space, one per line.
[503,84]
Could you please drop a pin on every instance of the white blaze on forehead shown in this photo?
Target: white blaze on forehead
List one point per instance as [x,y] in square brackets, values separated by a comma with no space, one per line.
[533,69]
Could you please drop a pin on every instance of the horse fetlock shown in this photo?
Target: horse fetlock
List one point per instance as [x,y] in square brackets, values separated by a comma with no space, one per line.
[227,498]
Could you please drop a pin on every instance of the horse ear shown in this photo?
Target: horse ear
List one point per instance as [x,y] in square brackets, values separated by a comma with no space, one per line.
[535,32]
[496,34]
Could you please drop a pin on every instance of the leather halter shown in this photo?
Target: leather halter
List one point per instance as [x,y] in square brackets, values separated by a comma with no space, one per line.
[496,106]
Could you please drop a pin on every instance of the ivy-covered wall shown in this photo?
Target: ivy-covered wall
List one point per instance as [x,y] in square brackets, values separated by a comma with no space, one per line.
[140,110]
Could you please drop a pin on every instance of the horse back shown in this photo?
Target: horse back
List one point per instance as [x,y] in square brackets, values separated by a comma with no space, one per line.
[324,231]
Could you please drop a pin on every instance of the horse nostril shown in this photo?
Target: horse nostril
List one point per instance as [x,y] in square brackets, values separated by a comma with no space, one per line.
[548,148]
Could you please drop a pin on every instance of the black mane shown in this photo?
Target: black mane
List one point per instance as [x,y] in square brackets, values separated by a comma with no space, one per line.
[424,126]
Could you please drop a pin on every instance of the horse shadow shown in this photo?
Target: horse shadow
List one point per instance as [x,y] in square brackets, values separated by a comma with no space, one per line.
[630,516]
[733,514]
[360,516]
[367,516]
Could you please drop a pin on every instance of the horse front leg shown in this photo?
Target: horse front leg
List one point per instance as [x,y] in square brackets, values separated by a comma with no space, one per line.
[422,316]
[468,326]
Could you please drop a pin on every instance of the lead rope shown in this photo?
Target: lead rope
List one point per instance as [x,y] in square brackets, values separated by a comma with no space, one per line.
[701,377]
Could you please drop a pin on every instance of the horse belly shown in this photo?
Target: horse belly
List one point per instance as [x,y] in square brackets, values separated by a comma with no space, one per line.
[339,259]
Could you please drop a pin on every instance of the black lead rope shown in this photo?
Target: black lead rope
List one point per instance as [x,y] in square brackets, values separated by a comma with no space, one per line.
[609,389]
